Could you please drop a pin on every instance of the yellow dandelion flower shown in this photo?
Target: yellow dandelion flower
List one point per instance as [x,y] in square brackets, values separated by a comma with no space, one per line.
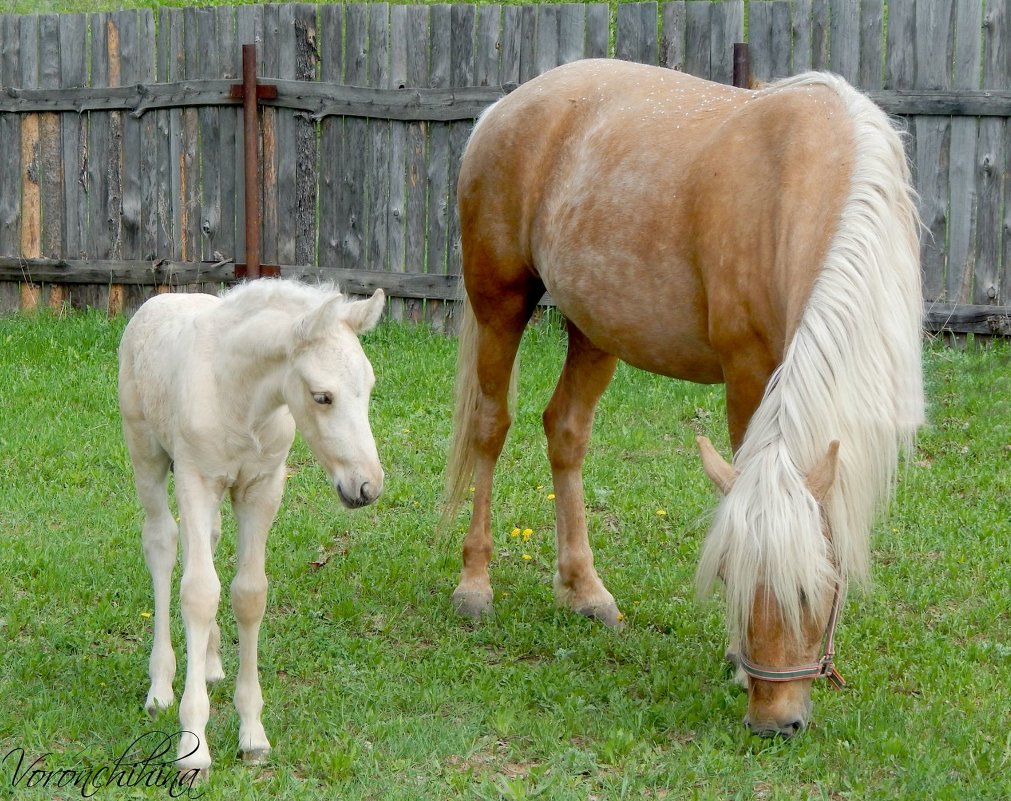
[661,512]
[551,496]
[515,532]
[621,616]
[540,486]
[527,534]
[145,614]
[527,557]
[472,489]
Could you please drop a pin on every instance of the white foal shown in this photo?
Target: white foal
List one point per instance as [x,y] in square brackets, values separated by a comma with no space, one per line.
[214,389]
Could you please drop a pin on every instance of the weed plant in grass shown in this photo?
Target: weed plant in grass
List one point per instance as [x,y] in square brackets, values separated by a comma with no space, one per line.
[375,690]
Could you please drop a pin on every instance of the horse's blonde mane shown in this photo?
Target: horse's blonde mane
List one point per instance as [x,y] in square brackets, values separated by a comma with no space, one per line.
[253,295]
[852,372]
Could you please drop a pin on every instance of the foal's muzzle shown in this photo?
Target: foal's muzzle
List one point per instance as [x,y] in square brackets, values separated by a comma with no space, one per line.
[364,494]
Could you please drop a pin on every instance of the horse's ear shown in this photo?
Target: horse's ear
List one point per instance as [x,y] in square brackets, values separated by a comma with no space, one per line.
[722,474]
[363,315]
[321,319]
[822,476]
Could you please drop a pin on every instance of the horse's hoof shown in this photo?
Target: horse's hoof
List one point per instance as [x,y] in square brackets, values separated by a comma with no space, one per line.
[608,614]
[472,604]
[191,777]
[255,756]
[154,705]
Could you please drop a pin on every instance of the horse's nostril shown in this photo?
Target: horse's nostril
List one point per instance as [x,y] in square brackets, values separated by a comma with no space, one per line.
[792,728]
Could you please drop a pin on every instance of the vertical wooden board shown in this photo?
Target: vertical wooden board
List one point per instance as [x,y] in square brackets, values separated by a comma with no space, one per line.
[900,40]
[131,71]
[397,216]
[269,57]
[726,28]
[636,38]
[50,140]
[249,30]
[572,33]
[307,147]
[283,211]
[993,160]
[31,192]
[10,138]
[760,39]
[73,62]
[844,49]
[222,239]
[462,74]
[672,37]
[353,216]
[487,45]
[171,67]
[528,42]
[962,164]
[378,76]
[800,20]
[331,50]
[438,170]
[203,22]
[512,28]
[546,40]
[872,21]
[821,32]
[697,37]
[598,30]
[782,39]
[418,47]
[934,56]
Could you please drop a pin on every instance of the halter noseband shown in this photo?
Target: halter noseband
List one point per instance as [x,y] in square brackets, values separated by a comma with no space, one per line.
[823,668]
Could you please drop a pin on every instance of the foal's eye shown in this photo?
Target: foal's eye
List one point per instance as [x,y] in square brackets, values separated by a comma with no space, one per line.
[322,398]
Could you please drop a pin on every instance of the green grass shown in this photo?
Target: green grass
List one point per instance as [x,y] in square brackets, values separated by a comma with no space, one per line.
[375,690]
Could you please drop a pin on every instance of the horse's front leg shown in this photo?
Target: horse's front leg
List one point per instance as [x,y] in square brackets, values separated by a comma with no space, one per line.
[255,506]
[199,592]
[568,420]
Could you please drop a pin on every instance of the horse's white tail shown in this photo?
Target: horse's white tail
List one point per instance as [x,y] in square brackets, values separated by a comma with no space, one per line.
[852,372]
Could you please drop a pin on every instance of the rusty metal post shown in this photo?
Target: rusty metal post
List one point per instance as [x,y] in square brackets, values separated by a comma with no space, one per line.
[250,136]
[742,65]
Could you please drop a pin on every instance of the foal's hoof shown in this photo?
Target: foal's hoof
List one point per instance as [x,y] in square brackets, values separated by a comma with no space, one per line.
[608,614]
[156,704]
[192,777]
[472,603]
[255,756]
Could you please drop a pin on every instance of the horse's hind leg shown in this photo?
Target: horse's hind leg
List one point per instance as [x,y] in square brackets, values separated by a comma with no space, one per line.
[255,507]
[214,670]
[568,420]
[499,328]
[150,467]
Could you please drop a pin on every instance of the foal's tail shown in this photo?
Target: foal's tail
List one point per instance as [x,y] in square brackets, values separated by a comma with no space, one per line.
[460,468]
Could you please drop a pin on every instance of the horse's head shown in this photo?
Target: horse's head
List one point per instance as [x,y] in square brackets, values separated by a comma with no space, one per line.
[784,642]
[327,391]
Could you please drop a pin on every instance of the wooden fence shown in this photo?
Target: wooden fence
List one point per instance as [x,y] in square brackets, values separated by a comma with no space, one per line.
[122,167]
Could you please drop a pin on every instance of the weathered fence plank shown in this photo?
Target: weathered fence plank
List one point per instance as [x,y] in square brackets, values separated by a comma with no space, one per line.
[378,143]
[672,37]
[397,166]
[73,73]
[355,189]
[331,51]
[438,168]
[637,37]
[416,215]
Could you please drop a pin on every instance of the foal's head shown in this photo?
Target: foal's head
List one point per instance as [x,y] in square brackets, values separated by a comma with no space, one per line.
[327,390]
[781,634]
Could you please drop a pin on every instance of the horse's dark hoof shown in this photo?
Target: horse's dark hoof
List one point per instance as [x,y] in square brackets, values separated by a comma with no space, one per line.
[472,604]
[608,614]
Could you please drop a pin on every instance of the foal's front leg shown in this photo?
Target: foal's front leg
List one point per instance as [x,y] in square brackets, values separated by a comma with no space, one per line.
[199,592]
[255,506]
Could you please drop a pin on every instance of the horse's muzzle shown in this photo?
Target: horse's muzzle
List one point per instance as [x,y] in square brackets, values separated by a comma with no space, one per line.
[365,494]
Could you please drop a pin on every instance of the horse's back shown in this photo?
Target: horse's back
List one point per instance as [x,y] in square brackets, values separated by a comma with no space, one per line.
[632,192]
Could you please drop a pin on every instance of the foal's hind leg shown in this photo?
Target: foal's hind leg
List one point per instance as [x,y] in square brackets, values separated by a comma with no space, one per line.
[159,536]
[214,671]
[499,330]
[568,420]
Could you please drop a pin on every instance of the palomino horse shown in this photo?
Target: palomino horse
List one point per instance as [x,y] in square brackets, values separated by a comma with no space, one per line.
[214,388]
[765,239]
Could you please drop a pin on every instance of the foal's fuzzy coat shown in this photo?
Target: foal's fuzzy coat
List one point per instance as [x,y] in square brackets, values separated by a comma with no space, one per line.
[214,389]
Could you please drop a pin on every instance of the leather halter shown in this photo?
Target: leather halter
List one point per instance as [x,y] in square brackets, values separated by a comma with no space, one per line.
[823,668]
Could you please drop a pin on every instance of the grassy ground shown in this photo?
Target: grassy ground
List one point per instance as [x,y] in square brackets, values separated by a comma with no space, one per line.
[374,690]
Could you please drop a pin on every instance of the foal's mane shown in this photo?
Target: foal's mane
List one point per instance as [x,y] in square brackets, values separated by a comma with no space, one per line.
[851,372]
[252,296]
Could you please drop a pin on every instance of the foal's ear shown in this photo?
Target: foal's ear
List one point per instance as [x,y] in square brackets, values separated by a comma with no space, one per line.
[362,315]
[722,474]
[822,476]
[321,319]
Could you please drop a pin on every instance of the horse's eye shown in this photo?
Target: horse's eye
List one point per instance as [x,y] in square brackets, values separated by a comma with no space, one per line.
[322,398]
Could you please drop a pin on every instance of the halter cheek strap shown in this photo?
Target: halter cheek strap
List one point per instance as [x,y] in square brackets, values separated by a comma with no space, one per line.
[823,668]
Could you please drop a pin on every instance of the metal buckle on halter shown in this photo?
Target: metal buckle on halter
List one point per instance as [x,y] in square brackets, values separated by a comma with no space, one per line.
[823,668]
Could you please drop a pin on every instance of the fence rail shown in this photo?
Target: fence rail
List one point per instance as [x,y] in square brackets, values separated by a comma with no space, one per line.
[125,167]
